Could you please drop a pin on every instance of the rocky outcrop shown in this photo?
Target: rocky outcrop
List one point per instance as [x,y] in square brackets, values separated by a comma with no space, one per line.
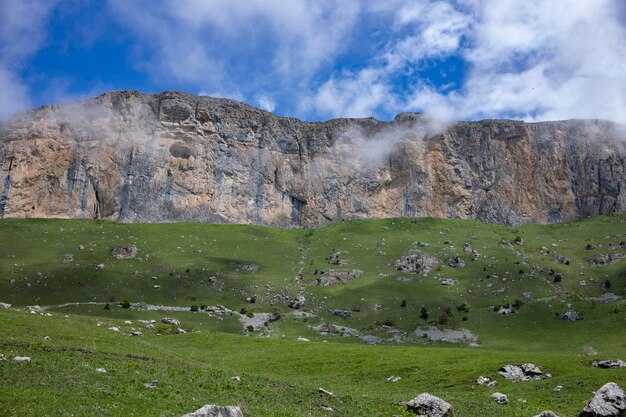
[608,401]
[176,157]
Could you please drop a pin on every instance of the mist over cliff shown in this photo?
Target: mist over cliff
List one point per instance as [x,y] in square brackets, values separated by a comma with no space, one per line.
[176,157]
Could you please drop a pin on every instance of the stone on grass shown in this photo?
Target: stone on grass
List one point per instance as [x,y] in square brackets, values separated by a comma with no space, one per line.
[482,380]
[101,370]
[124,252]
[2,358]
[136,333]
[416,262]
[211,410]
[546,413]
[571,315]
[524,372]
[500,398]
[326,392]
[455,262]
[428,405]
[180,331]
[33,309]
[5,306]
[302,339]
[151,384]
[21,359]
[342,313]
[609,363]
[608,401]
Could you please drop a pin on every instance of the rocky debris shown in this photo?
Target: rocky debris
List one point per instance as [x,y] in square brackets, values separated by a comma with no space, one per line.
[21,359]
[447,335]
[604,259]
[561,259]
[500,398]
[335,259]
[571,315]
[430,406]
[393,378]
[136,333]
[329,328]
[5,306]
[423,244]
[169,320]
[248,267]
[505,311]
[235,378]
[590,246]
[609,363]
[302,339]
[297,303]
[448,281]
[33,309]
[2,358]
[211,410]
[524,372]
[528,295]
[68,257]
[181,331]
[546,413]
[558,388]
[455,262]
[257,321]
[608,401]
[467,247]
[416,262]
[334,277]
[342,313]
[124,252]
[326,408]
[101,370]
[482,380]
[492,384]
[372,340]
[151,384]
[326,392]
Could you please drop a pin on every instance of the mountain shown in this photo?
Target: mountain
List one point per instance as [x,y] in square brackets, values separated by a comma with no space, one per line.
[172,156]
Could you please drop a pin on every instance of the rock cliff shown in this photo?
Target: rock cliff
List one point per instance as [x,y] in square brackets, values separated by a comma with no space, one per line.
[176,157]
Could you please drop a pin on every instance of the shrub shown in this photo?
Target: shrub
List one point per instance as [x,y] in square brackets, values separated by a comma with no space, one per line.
[203,306]
[558,277]
[448,311]
[517,304]
[107,306]
[403,303]
[250,313]
[464,307]
[250,329]
[389,321]
[607,284]
[194,308]
[424,313]
[444,318]
[125,304]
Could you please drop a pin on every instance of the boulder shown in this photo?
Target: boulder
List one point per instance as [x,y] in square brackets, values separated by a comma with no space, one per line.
[524,372]
[455,262]
[5,306]
[608,401]
[500,398]
[546,413]
[342,313]
[169,320]
[297,303]
[21,359]
[151,384]
[33,309]
[430,406]
[571,315]
[604,259]
[124,252]
[210,410]
[608,363]
[416,262]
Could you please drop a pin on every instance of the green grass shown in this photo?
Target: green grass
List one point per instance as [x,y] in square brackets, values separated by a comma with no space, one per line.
[197,264]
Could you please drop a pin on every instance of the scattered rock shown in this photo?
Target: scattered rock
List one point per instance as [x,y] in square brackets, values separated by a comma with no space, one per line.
[169,320]
[571,315]
[236,378]
[609,363]
[21,359]
[101,370]
[546,413]
[325,408]
[248,267]
[590,246]
[302,339]
[447,335]
[604,259]
[326,392]
[524,372]
[81,247]
[430,406]
[500,398]
[151,384]
[124,252]
[448,281]
[342,313]
[416,262]
[5,306]
[561,259]
[372,340]
[210,410]
[505,311]
[558,388]
[46,338]
[136,333]
[297,303]
[492,384]
[608,401]
[481,380]
[467,247]
[393,378]
[329,328]
[181,331]
[68,257]
[423,244]
[33,309]
[2,358]
[332,277]
[334,259]
[100,266]
[455,262]
[528,295]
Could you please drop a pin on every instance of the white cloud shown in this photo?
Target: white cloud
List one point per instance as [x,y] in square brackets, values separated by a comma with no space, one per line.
[266,103]
[22,34]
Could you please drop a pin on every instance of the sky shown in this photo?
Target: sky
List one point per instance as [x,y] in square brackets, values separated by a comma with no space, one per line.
[319,59]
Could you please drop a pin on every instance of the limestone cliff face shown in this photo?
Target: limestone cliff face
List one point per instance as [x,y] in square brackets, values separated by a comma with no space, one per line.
[175,157]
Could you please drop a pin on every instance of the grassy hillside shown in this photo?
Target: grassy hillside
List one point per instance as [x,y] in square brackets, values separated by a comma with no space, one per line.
[255,270]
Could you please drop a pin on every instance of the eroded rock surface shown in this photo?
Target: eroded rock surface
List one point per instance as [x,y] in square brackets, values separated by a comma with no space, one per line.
[171,156]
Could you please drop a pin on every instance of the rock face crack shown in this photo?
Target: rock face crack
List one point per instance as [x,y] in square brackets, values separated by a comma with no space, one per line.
[176,157]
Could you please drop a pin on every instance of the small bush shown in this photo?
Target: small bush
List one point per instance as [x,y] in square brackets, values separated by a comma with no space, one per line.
[250,329]
[107,306]
[607,284]
[125,304]
[250,313]
[558,277]
[203,306]
[424,313]
[443,318]
[517,304]
[464,318]
[403,303]
[463,307]
[389,321]
[194,308]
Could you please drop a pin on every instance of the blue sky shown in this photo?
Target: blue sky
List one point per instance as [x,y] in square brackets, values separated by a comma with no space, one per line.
[318,59]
